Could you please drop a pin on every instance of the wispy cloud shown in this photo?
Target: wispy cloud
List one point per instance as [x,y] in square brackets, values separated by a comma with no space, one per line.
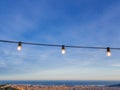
[116,65]
[59,22]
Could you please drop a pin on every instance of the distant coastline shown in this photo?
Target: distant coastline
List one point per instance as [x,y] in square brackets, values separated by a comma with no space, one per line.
[116,85]
[61,82]
[62,87]
[59,85]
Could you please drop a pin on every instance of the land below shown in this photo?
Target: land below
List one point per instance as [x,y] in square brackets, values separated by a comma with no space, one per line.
[62,87]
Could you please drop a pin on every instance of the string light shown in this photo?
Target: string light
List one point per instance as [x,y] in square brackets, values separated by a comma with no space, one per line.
[63,49]
[108,51]
[19,46]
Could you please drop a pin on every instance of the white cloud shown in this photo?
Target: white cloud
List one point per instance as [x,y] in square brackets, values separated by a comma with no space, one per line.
[116,65]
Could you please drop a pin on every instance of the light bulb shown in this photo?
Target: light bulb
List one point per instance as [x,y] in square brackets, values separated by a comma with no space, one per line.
[108,51]
[19,46]
[63,49]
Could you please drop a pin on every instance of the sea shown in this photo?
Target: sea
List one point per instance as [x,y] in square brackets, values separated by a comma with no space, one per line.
[61,82]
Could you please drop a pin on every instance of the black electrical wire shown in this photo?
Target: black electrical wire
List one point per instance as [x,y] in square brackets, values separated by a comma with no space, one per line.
[55,45]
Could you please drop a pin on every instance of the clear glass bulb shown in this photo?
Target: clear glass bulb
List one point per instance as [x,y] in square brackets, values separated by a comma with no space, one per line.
[63,51]
[108,53]
[19,48]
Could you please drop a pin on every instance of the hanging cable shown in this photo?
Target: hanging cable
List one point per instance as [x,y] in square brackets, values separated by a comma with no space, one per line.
[55,45]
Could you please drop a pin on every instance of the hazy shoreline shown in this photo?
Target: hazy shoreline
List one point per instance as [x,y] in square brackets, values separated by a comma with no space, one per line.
[62,87]
[59,85]
[61,82]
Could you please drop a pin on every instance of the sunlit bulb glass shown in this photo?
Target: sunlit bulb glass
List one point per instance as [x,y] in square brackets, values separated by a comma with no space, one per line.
[108,51]
[19,46]
[63,49]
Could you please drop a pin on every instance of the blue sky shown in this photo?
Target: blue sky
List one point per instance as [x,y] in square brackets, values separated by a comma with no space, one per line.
[68,22]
